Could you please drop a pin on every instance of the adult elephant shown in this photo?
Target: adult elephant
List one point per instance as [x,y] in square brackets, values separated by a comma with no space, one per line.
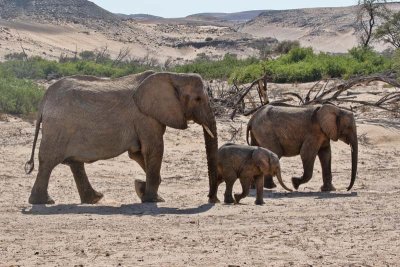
[85,119]
[290,131]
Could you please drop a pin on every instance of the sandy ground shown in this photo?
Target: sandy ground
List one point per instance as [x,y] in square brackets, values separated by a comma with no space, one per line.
[336,43]
[145,41]
[304,228]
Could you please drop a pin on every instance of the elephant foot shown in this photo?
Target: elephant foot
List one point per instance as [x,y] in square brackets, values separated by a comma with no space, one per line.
[327,188]
[92,198]
[238,197]
[140,188]
[152,198]
[228,199]
[269,183]
[259,202]
[40,199]
[296,182]
[213,200]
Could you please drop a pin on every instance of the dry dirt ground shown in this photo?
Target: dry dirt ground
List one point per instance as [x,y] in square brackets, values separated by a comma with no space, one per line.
[304,228]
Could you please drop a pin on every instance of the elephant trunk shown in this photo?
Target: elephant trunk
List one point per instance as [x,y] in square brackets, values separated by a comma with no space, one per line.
[211,142]
[279,176]
[354,160]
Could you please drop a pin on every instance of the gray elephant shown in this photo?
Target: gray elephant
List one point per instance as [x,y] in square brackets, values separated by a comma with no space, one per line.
[85,119]
[247,163]
[290,131]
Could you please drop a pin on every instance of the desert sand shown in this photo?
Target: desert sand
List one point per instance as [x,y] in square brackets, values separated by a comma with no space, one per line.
[304,228]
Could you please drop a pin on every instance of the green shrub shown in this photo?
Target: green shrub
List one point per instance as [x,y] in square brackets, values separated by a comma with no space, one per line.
[38,68]
[298,54]
[15,56]
[396,62]
[285,46]
[218,69]
[303,65]
[87,55]
[19,96]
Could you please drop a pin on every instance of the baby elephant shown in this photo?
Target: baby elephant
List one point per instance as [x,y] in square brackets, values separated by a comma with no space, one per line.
[246,163]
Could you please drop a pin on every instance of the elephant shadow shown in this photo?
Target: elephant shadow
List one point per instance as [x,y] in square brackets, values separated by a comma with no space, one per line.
[130,209]
[297,194]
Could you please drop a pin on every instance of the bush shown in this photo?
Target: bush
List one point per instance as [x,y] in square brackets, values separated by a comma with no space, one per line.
[303,65]
[87,55]
[285,46]
[38,68]
[18,96]
[298,54]
[15,56]
[219,69]
[396,62]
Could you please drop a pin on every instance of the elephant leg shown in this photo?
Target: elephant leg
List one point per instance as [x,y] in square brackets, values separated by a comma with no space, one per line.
[245,182]
[308,154]
[39,194]
[229,181]
[140,186]
[269,182]
[152,161]
[325,157]
[86,192]
[275,147]
[138,157]
[260,190]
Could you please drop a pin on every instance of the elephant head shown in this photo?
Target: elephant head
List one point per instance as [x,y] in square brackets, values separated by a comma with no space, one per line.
[173,100]
[339,124]
[268,163]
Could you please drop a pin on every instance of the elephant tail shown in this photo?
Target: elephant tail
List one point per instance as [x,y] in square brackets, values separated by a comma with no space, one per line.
[247,133]
[30,165]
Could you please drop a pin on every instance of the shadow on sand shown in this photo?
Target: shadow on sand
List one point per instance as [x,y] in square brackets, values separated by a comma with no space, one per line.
[296,194]
[131,209]
[316,195]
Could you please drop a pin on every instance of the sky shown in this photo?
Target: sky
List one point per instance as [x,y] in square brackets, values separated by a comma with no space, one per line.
[182,8]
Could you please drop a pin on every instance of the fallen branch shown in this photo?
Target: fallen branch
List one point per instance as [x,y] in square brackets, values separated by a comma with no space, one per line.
[339,89]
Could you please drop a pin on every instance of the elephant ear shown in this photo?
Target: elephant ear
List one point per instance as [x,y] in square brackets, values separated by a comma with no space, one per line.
[262,161]
[327,117]
[157,97]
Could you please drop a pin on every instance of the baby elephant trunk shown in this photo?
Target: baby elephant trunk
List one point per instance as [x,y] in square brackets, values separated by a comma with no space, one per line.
[354,159]
[278,175]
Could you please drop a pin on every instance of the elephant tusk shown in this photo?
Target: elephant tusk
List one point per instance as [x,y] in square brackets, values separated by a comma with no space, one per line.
[208,131]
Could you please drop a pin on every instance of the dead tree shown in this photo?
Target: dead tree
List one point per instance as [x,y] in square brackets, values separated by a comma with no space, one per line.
[262,90]
[122,55]
[334,93]
[366,16]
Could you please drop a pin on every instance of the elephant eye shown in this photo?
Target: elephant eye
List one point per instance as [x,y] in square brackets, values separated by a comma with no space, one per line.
[198,99]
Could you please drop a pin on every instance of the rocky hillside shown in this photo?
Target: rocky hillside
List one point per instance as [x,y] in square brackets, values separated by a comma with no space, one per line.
[337,19]
[325,29]
[237,17]
[76,11]
[51,28]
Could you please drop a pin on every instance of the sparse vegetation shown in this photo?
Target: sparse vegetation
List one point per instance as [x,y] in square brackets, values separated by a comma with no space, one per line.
[39,68]
[285,46]
[18,96]
[366,19]
[303,65]
[389,31]
[218,69]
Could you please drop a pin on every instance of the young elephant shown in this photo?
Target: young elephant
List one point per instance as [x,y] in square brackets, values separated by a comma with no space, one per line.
[246,163]
[305,131]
